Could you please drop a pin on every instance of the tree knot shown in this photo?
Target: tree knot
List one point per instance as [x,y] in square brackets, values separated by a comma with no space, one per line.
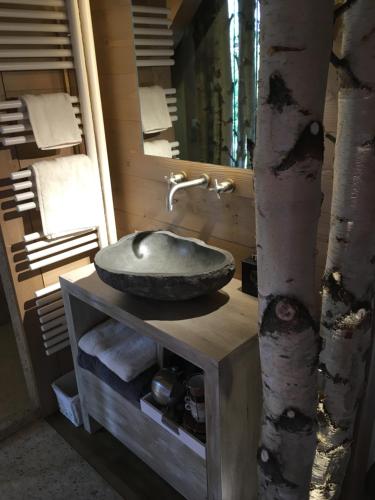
[287,315]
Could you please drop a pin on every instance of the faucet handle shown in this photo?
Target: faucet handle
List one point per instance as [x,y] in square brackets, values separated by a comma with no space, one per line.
[173,179]
[226,186]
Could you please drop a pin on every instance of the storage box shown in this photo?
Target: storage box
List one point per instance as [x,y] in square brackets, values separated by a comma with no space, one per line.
[67,396]
[149,408]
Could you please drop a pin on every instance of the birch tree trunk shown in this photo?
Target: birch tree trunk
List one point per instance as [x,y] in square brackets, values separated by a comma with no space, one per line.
[348,285]
[296,39]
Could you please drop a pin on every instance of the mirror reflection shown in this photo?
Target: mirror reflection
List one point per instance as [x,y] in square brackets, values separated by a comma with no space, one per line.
[197,70]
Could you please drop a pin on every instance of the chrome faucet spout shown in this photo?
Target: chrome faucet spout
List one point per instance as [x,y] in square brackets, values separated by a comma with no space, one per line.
[202,181]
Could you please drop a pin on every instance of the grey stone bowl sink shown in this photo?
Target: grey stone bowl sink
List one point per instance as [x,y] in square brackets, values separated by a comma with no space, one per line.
[164,266]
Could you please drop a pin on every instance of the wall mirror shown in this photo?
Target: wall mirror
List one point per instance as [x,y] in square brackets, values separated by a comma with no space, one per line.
[197,64]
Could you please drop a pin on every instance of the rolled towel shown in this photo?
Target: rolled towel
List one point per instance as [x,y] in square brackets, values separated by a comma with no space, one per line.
[69,195]
[158,148]
[154,110]
[120,349]
[53,120]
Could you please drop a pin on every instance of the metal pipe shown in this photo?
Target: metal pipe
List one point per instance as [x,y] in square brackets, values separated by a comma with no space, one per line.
[48,298]
[62,256]
[202,181]
[34,40]
[48,289]
[52,315]
[58,347]
[22,115]
[14,129]
[30,66]
[17,103]
[152,52]
[155,21]
[84,92]
[54,332]
[33,14]
[24,207]
[97,110]
[40,27]
[50,307]
[144,9]
[19,139]
[152,42]
[56,340]
[46,243]
[19,186]
[10,53]
[44,3]
[142,63]
[20,174]
[52,324]
[29,195]
[152,31]
[51,249]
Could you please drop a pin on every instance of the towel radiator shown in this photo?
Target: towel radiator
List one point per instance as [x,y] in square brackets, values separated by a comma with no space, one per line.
[53,35]
[152,21]
[52,18]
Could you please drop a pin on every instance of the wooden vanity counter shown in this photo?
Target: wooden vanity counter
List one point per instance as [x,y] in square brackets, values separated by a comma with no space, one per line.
[217,333]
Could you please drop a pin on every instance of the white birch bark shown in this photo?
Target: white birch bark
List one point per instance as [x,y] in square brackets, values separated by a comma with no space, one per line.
[296,39]
[348,284]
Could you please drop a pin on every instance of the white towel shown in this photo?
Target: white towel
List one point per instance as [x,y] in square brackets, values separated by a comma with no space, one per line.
[120,349]
[53,120]
[69,195]
[158,148]
[154,110]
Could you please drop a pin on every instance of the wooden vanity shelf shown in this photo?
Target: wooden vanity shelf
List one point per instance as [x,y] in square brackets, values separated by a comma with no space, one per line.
[217,333]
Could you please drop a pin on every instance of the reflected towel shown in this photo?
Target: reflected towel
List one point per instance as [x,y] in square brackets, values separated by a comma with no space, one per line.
[53,120]
[69,195]
[154,110]
[158,148]
[120,349]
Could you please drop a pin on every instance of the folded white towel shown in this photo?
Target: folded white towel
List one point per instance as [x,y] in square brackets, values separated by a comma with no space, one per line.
[69,195]
[154,110]
[158,148]
[120,349]
[53,120]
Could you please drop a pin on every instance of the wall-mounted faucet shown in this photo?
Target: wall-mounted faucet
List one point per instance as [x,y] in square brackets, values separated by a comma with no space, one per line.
[226,186]
[178,181]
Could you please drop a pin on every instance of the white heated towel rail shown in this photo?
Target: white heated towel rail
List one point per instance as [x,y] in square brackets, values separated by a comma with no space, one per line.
[47,53]
[155,22]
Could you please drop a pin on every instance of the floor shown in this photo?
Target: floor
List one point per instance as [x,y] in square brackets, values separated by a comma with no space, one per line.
[14,401]
[126,473]
[37,464]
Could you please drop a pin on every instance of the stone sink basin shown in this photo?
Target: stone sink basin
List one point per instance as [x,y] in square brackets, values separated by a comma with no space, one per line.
[164,266]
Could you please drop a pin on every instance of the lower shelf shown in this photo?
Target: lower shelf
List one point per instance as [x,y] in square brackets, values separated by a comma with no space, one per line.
[149,408]
[173,460]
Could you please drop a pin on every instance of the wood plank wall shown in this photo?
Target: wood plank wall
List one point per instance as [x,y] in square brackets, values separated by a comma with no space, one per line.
[138,181]
[22,282]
